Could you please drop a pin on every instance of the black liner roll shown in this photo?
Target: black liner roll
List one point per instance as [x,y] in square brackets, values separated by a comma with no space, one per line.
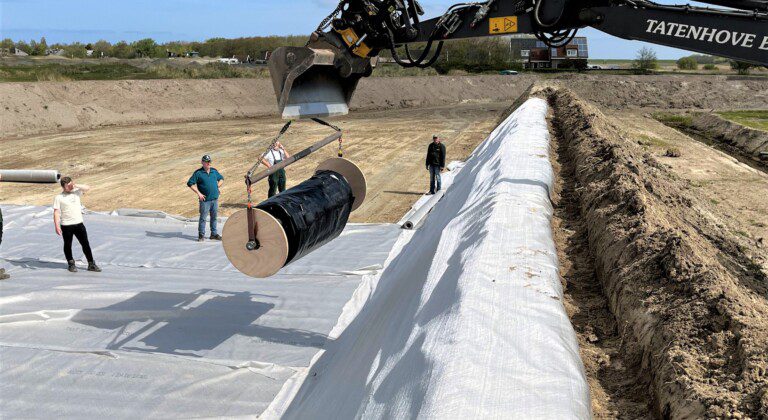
[312,213]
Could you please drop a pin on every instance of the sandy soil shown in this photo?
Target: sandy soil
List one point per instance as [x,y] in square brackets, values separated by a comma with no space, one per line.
[687,294]
[49,107]
[733,137]
[736,191]
[147,166]
[614,390]
[668,92]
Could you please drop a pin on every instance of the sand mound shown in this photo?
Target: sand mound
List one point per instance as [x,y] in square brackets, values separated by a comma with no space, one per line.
[670,92]
[749,142]
[689,301]
[32,108]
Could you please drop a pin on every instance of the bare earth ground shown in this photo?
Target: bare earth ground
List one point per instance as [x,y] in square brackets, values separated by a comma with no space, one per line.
[147,166]
[54,107]
[736,191]
[687,293]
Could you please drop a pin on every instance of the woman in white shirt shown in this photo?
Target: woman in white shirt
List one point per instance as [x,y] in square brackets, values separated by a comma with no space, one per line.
[68,222]
[274,156]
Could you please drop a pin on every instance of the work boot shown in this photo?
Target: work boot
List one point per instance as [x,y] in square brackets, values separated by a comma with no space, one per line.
[200,238]
[4,275]
[216,237]
[71,266]
[93,267]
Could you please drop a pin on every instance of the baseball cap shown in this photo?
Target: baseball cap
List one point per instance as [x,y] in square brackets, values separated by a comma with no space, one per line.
[207,158]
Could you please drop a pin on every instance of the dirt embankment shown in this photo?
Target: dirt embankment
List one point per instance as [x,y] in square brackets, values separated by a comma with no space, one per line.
[668,92]
[749,142]
[688,299]
[43,107]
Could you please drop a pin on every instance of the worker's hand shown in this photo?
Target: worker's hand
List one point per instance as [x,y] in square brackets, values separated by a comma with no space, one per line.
[200,196]
[58,230]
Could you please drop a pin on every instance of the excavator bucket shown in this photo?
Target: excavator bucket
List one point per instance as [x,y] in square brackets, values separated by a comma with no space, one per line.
[307,83]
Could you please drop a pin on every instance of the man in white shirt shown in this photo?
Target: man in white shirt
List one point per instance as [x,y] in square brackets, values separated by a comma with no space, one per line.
[68,221]
[274,156]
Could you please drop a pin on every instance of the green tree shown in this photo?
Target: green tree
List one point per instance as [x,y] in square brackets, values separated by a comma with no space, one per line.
[687,63]
[645,61]
[7,44]
[43,46]
[741,67]
[75,50]
[21,45]
[146,47]
[122,50]
[102,48]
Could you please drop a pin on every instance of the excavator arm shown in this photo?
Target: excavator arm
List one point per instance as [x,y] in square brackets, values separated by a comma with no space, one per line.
[320,79]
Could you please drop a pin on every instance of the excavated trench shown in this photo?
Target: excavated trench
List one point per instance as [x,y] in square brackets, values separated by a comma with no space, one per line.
[671,311]
[722,140]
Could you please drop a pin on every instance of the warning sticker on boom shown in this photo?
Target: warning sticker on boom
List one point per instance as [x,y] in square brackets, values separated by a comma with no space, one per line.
[503,25]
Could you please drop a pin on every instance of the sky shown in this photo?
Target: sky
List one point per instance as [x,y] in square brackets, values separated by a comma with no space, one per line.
[86,21]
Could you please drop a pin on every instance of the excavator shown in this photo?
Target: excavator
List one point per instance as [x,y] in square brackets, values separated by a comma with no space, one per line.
[319,79]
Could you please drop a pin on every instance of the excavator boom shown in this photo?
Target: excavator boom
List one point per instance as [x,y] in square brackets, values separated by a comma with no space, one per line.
[320,79]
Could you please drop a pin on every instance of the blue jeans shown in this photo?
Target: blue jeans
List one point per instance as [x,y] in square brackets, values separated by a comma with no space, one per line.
[206,208]
[434,178]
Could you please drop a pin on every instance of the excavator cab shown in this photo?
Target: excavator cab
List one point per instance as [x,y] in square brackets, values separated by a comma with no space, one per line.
[317,80]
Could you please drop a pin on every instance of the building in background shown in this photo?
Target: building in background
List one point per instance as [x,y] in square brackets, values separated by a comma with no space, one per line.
[534,54]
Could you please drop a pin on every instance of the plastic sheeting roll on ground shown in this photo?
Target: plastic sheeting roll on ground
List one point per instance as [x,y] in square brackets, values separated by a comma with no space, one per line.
[297,221]
[31,176]
[418,217]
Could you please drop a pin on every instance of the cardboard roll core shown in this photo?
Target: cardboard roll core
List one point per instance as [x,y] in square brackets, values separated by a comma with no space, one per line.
[272,253]
[351,173]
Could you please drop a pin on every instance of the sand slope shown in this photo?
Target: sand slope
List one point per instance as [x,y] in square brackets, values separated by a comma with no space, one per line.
[43,107]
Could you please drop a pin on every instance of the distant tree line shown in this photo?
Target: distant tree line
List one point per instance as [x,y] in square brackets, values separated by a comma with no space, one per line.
[214,47]
[470,55]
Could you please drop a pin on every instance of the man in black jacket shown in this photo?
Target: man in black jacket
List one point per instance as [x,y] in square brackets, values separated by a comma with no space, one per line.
[435,163]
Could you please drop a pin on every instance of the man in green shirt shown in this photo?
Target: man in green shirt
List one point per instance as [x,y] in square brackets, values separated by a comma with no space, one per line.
[205,182]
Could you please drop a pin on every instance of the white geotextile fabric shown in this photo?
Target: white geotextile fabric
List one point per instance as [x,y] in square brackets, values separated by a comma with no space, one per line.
[467,320]
[189,337]
[144,242]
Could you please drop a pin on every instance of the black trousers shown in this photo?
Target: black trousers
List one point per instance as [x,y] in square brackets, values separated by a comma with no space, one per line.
[78,231]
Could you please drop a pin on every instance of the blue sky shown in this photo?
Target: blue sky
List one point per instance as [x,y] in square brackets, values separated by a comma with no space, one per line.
[197,20]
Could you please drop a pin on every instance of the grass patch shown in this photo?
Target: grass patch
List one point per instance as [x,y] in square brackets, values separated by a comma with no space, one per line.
[753,119]
[646,140]
[392,70]
[55,72]
[674,119]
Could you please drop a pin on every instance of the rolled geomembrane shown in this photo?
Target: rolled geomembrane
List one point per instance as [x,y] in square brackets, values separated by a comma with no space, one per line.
[312,213]
[32,176]
[420,215]
[297,221]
